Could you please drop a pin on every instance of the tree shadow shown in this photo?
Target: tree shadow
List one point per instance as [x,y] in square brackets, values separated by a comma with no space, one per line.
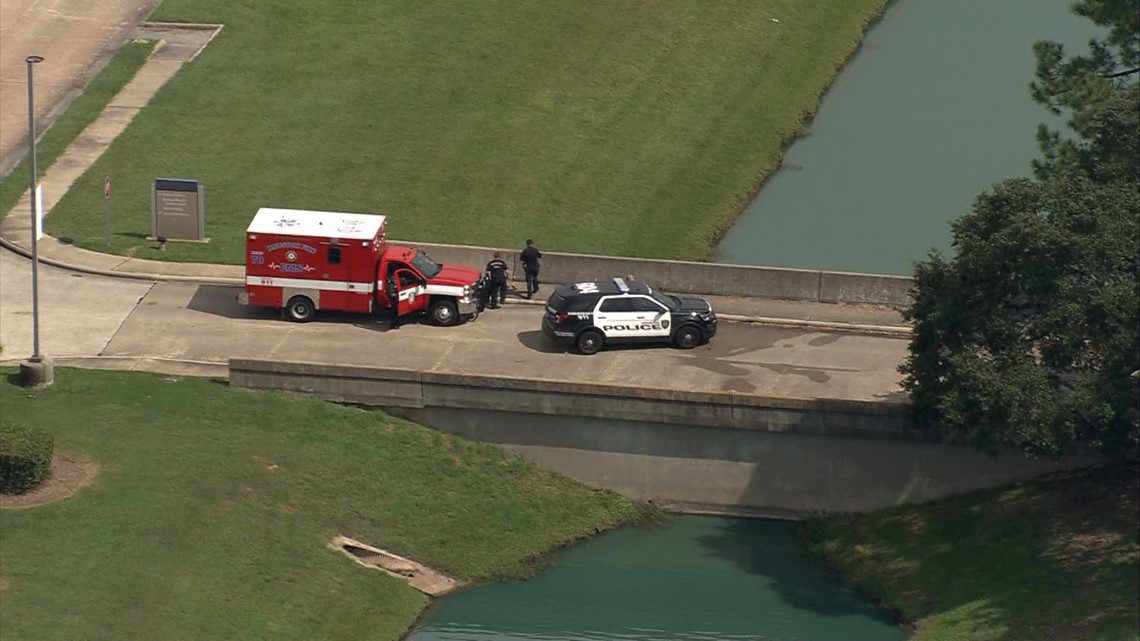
[989,563]
[769,548]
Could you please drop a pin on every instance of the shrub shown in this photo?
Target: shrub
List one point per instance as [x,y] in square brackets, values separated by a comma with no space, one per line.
[25,457]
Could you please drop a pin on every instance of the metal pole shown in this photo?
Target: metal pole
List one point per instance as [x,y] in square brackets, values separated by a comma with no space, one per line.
[36,357]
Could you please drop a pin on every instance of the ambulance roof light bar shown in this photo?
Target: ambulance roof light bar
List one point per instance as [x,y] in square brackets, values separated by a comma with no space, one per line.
[620,284]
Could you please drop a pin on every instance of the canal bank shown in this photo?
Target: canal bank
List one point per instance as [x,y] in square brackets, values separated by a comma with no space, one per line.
[701,452]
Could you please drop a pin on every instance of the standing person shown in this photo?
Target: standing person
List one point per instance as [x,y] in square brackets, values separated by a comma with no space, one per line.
[529,258]
[392,291]
[499,272]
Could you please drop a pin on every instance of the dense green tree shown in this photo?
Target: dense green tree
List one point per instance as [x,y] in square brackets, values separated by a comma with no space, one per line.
[1029,336]
[1083,85]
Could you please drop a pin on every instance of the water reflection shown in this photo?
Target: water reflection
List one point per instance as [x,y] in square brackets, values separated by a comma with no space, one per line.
[701,578]
[932,110]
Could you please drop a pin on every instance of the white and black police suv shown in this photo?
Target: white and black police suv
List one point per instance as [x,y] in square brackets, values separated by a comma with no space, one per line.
[589,315]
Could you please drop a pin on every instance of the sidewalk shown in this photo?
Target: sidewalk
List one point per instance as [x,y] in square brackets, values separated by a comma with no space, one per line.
[180,45]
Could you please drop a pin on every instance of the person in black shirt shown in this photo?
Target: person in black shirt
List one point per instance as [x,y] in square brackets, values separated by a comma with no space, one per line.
[499,272]
[392,291]
[529,258]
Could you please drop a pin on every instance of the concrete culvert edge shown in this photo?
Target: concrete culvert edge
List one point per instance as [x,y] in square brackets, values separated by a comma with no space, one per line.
[418,576]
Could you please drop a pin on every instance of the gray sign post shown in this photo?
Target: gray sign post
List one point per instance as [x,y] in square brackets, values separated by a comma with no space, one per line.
[179,209]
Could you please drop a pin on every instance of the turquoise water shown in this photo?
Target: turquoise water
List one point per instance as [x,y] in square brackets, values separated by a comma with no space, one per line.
[701,578]
[931,111]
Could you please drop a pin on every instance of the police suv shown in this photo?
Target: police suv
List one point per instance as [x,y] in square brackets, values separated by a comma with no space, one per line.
[589,315]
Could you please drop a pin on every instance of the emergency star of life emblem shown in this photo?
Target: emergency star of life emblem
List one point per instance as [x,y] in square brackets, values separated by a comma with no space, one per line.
[291,255]
[348,226]
[285,222]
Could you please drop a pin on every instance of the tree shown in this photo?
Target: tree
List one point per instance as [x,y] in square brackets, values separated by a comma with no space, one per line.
[1029,336]
[1084,85]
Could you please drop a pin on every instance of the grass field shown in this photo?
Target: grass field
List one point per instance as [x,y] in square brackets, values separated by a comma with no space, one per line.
[211,513]
[1054,560]
[82,112]
[631,128]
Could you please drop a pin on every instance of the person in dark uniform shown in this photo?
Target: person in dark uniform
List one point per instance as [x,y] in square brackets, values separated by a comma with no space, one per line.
[392,291]
[529,258]
[499,272]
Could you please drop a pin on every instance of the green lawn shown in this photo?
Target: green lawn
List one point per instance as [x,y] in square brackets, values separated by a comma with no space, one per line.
[1051,560]
[628,127]
[212,511]
[71,123]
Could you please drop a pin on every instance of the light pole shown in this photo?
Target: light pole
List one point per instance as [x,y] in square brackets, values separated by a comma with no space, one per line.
[38,370]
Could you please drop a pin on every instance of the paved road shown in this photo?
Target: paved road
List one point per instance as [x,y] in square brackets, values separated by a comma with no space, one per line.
[79,313]
[76,38]
[87,316]
[205,323]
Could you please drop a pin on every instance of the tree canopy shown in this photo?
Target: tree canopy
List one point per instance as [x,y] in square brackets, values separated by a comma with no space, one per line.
[1029,336]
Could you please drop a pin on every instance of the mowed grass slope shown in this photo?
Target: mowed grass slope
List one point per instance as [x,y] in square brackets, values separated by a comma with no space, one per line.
[1049,560]
[82,112]
[212,511]
[633,128]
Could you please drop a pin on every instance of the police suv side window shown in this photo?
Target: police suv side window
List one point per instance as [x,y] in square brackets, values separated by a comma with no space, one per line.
[623,304]
[643,304]
[582,304]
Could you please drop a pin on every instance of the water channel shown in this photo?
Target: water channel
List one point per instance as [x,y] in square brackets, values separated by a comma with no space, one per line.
[932,110]
[699,579]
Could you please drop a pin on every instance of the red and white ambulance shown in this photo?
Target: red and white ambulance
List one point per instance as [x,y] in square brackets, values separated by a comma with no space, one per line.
[304,261]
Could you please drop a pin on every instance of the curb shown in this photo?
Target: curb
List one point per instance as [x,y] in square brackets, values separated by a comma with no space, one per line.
[154,365]
[206,280]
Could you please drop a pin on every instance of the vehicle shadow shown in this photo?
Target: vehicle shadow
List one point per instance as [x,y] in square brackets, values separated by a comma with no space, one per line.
[221,300]
[537,341]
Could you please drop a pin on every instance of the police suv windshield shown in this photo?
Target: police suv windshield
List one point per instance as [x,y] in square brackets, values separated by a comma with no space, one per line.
[670,302]
[425,265]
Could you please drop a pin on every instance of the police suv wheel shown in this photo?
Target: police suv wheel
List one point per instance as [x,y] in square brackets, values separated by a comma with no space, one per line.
[687,337]
[300,309]
[589,342]
[444,312]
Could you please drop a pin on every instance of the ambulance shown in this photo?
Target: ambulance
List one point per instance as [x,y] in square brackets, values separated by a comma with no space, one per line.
[308,261]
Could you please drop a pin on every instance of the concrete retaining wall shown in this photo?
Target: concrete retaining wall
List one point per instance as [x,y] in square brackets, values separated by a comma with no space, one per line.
[697,278]
[708,452]
[718,470]
[385,387]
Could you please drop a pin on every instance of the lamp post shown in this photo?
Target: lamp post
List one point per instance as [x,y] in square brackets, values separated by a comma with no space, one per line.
[38,370]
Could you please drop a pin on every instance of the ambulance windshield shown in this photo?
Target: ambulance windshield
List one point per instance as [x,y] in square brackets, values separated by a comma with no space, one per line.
[426,266]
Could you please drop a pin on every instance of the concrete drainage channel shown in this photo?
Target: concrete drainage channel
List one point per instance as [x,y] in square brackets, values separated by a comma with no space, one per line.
[418,576]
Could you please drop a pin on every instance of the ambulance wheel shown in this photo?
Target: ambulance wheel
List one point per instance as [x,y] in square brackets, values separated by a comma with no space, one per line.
[688,337]
[443,312]
[300,309]
[589,342]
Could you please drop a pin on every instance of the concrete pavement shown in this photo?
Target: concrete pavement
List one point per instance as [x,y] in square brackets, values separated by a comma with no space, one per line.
[80,313]
[76,39]
[194,329]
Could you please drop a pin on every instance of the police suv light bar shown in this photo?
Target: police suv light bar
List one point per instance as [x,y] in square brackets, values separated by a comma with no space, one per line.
[620,284]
